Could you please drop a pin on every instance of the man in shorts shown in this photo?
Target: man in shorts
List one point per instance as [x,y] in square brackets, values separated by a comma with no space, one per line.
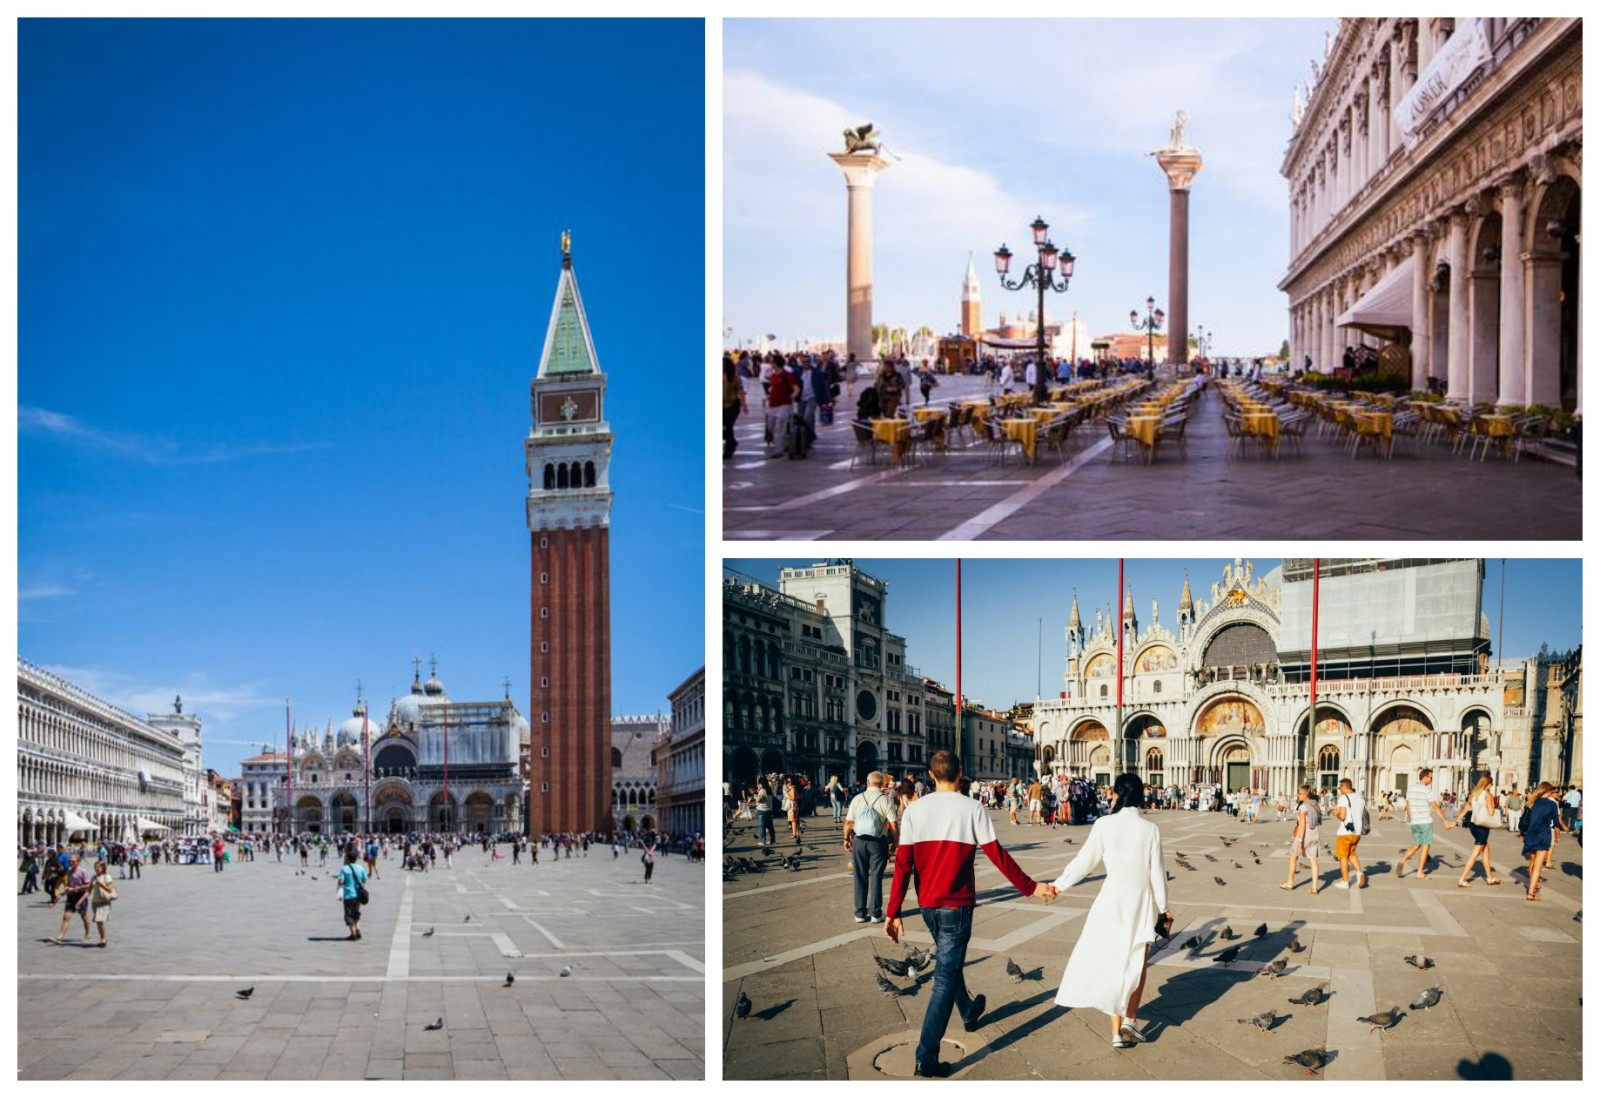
[1306,841]
[1350,808]
[1419,800]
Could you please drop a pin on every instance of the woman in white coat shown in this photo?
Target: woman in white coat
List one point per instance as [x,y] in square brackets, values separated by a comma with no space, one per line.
[1107,967]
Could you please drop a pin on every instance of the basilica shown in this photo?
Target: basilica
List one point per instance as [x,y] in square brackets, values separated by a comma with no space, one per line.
[432,764]
[1224,696]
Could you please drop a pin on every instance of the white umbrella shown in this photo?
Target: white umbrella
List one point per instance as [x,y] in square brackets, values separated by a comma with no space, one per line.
[75,822]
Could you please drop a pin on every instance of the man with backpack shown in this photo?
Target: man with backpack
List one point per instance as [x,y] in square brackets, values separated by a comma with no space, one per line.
[1351,809]
[868,823]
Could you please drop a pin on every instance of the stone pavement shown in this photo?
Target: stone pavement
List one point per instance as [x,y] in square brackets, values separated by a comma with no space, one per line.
[1423,492]
[159,1003]
[1511,970]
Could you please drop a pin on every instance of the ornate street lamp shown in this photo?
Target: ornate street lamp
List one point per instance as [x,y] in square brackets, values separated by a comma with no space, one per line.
[1042,274]
[1153,319]
[1202,336]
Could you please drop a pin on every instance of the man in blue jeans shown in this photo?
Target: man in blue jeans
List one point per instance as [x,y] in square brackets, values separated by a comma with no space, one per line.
[765,806]
[940,835]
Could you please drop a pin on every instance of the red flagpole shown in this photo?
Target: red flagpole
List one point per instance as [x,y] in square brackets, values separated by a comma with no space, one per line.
[288,765]
[960,751]
[447,766]
[1316,599]
[1116,737]
[366,764]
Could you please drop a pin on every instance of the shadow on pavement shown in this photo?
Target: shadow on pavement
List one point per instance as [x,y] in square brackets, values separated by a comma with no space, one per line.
[773,1011]
[1572,869]
[1491,1065]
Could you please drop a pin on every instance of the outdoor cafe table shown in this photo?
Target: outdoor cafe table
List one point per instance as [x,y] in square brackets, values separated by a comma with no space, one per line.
[1262,422]
[1025,431]
[1499,429]
[896,433]
[1144,428]
[926,413]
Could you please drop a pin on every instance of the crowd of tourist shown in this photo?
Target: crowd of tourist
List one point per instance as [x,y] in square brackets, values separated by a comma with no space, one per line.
[78,874]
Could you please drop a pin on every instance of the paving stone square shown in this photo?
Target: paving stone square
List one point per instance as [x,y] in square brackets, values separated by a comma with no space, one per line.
[1424,491]
[160,1002]
[1511,971]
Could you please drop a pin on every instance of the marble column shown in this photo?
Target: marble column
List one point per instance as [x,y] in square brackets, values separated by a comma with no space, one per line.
[1459,330]
[1421,326]
[860,173]
[1179,163]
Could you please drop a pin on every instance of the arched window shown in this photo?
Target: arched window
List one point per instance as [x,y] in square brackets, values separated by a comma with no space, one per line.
[616,758]
[1328,758]
[561,477]
[744,654]
[588,474]
[1104,690]
[549,476]
[727,715]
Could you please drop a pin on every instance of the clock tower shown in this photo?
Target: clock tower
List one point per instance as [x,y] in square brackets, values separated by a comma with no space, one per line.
[569,522]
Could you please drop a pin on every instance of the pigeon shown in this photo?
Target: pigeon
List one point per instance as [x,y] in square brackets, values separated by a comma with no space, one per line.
[893,967]
[1013,971]
[1261,931]
[886,987]
[468,919]
[768,851]
[1236,865]
[245,993]
[429,932]
[313,876]
[919,958]
[1295,946]
[1311,1059]
[1227,934]
[566,970]
[1429,998]
[1263,1021]
[1229,955]
[1578,918]
[1193,943]
[1220,881]
[510,979]
[1274,970]
[1180,854]
[437,1023]
[1382,1020]
[1258,861]
[1312,996]
[1209,858]
[741,1006]
[1420,962]
[1069,842]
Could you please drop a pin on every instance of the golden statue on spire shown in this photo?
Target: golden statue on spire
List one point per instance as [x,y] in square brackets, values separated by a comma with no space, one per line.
[566,242]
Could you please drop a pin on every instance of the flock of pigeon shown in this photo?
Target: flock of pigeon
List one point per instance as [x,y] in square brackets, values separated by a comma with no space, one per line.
[917,963]
[244,993]
[735,865]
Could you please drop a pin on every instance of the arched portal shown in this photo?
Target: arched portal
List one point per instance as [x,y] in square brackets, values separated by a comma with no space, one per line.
[1552,278]
[772,762]
[478,812]
[866,759]
[308,815]
[344,811]
[442,815]
[743,767]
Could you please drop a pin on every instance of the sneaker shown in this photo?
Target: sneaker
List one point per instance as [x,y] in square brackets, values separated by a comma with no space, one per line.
[975,1020]
[877,918]
[1361,880]
[936,1069]
[1341,884]
[862,919]
[1131,1035]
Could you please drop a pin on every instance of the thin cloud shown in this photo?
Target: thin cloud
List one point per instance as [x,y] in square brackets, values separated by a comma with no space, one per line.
[213,703]
[44,591]
[151,449]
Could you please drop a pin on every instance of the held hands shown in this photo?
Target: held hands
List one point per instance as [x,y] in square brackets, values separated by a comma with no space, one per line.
[1045,892]
[894,928]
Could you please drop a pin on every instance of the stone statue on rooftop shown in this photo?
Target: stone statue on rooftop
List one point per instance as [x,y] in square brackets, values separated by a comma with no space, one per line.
[1179,124]
[862,139]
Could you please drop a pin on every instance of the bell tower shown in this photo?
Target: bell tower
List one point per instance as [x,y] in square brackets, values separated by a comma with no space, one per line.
[971,303]
[569,523]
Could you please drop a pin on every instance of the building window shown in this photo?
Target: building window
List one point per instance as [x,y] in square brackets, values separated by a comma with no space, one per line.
[544,577]
[544,543]
[544,787]
[544,752]
[1103,691]
[544,646]
[544,613]
[544,681]
[544,718]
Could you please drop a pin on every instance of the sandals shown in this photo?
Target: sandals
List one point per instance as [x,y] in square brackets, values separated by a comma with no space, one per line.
[1462,884]
[1493,881]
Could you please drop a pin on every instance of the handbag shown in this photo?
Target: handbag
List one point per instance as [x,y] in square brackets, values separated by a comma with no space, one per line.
[362,895]
[1492,818]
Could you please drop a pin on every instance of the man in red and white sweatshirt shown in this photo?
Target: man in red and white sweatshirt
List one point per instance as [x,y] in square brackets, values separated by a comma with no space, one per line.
[940,835]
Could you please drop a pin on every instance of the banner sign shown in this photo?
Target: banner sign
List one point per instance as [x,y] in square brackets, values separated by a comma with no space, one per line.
[1456,60]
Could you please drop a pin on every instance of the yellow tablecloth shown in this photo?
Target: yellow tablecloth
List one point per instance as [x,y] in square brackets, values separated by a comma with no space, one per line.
[1496,426]
[1382,422]
[1264,424]
[925,414]
[1144,429]
[895,432]
[1025,431]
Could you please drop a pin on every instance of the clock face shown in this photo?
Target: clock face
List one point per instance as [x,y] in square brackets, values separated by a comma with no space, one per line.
[569,406]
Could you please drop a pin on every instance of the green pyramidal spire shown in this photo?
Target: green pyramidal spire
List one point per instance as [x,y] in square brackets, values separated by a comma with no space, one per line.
[568,349]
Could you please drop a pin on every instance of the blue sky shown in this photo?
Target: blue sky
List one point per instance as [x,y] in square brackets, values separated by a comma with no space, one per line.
[282,287]
[1002,602]
[995,122]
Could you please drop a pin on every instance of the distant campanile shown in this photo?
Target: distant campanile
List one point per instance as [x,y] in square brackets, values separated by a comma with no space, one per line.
[569,520]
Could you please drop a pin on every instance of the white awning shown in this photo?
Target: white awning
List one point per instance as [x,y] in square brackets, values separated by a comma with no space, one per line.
[76,822]
[150,825]
[1384,310]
